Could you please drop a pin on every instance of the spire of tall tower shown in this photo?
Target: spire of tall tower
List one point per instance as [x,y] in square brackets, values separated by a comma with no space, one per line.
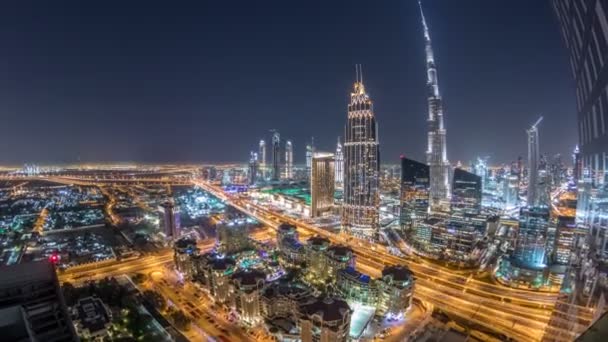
[436,150]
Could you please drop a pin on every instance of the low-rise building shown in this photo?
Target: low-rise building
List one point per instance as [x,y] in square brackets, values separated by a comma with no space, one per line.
[93,318]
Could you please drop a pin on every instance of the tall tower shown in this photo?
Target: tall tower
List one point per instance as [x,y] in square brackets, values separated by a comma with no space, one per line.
[436,153]
[253,167]
[339,165]
[310,151]
[276,156]
[533,159]
[361,165]
[262,153]
[322,184]
[288,160]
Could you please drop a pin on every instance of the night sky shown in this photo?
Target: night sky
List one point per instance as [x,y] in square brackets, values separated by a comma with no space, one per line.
[204,81]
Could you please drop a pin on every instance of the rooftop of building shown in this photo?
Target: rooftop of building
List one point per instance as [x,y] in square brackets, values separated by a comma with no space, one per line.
[354,274]
[398,273]
[340,251]
[184,244]
[318,242]
[286,227]
[92,314]
[18,274]
[294,290]
[330,309]
[249,277]
[14,325]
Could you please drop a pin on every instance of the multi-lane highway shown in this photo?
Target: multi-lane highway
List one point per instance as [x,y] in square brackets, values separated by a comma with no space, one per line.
[519,314]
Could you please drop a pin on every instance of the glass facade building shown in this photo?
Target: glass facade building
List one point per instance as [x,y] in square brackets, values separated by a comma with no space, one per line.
[414,198]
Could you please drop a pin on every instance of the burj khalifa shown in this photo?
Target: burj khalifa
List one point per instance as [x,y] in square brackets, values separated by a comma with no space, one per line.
[436,153]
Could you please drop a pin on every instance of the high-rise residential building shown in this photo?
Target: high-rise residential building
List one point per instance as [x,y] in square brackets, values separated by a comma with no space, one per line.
[577,162]
[356,287]
[32,304]
[531,244]
[316,262]
[288,160]
[322,184]
[262,154]
[213,271]
[253,168]
[360,208]
[246,288]
[564,240]
[184,251]
[276,156]
[282,299]
[338,257]
[533,161]
[511,191]
[170,220]
[310,151]
[466,192]
[339,166]
[325,320]
[395,290]
[414,197]
[436,152]
[584,26]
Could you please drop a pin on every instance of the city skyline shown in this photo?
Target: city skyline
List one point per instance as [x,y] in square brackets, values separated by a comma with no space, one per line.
[146,129]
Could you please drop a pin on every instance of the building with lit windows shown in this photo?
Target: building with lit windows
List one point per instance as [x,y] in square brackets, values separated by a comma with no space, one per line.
[214,271]
[360,208]
[310,151]
[93,318]
[170,220]
[584,27]
[436,152]
[394,291]
[283,299]
[339,166]
[233,237]
[531,244]
[355,287]
[466,193]
[276,156]
[291,251]
[262,153]
[316,263]
[254,169]
[183,252]
[564,240]
[32,304]
[325,320]
[414,198]
[246,289]
[288,160]
[322,184]
[338,257]
[511,191]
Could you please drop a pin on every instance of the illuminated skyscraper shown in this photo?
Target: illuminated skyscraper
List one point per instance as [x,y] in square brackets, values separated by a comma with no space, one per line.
[466,193]
[511,191]
[414,192]
[262,154]
[253,168]
[170,220]
[531,244]
[288,160]
[360,210]
[578,165]
[436,153]
[322,184]
[534,196]
[310,151]
[584,26]
[339,165]
[276,156]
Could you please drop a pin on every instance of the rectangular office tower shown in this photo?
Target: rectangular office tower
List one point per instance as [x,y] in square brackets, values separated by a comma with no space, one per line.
[414,199]
[584,27]
[32,307]
[322,184]
[466,192]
